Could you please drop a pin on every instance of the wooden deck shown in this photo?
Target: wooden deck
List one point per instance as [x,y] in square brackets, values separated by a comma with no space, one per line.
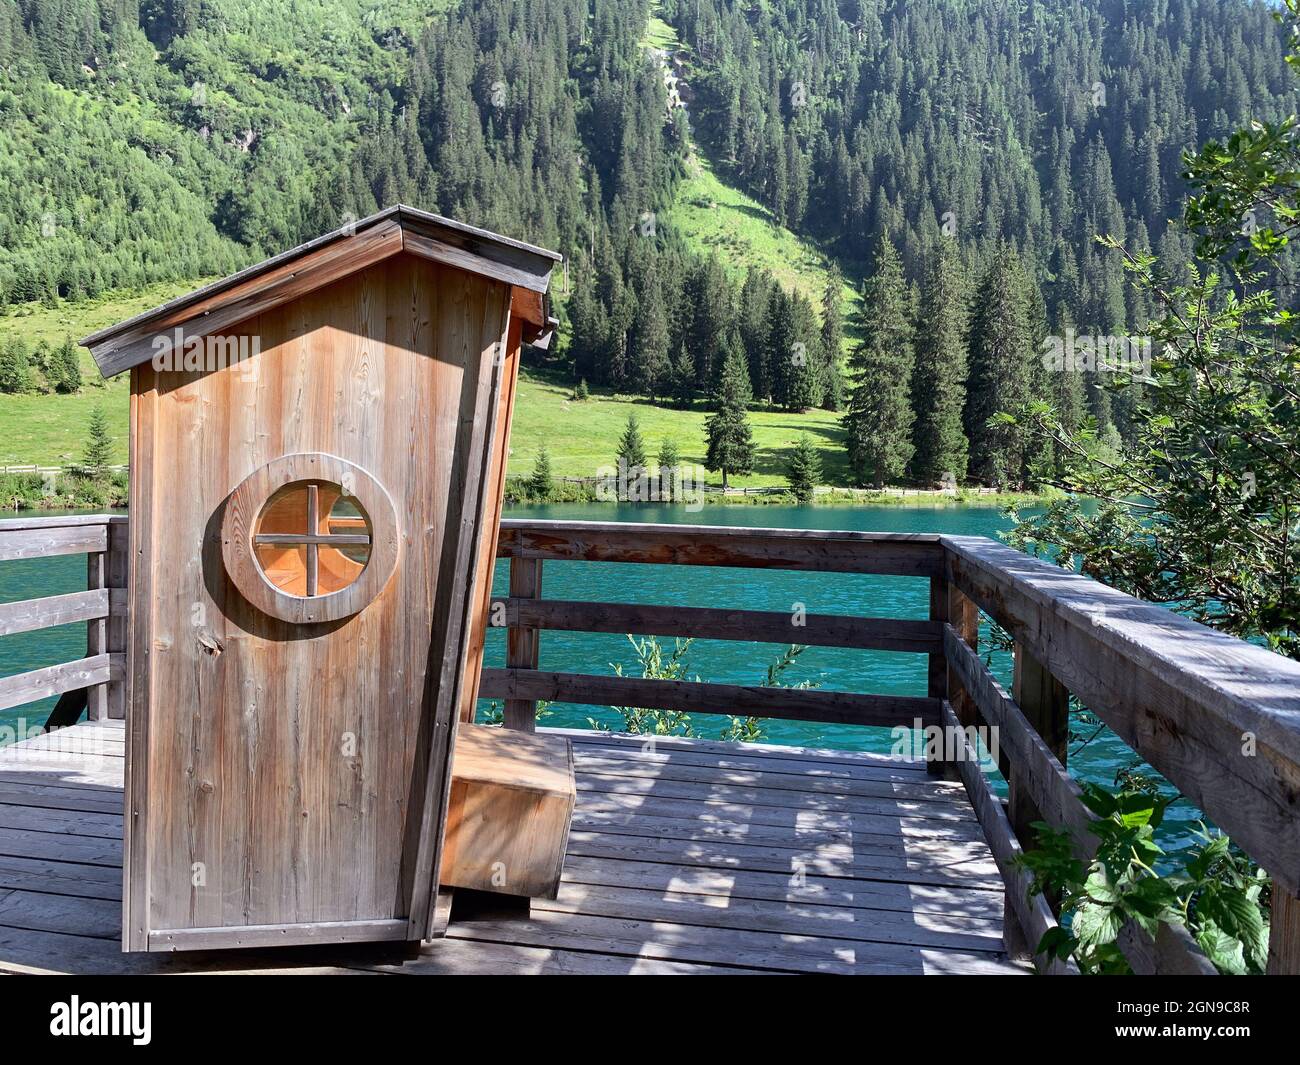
[695,857]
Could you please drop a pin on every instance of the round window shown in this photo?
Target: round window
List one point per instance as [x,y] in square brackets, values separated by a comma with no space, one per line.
[310,538]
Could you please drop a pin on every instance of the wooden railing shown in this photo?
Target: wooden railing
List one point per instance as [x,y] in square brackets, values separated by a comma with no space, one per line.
[94,683]
[529,544]
[1218,717]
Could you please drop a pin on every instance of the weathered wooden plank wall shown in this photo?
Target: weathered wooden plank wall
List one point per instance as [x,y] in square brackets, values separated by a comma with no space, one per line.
[277,769]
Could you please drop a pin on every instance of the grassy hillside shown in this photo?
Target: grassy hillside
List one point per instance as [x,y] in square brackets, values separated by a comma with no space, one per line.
[659,34]
[714,217]
[49,429]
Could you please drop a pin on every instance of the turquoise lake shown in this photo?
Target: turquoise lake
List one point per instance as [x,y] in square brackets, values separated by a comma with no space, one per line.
[712,660]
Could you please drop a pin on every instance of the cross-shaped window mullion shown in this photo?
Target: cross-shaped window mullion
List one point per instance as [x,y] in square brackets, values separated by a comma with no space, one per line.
[313,549]
[312,539]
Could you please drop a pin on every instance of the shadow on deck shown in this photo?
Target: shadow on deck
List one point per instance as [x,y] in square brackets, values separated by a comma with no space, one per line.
[691,857]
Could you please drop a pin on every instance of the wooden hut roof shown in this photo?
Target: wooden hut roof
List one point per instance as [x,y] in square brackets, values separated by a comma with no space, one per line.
[525,267]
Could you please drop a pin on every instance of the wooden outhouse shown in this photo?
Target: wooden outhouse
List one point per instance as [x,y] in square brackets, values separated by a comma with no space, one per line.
[318,449]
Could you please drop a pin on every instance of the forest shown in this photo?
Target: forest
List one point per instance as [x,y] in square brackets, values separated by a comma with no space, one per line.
[956,158]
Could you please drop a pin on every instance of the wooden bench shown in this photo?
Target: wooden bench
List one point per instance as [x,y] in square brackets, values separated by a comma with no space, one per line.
[512,798]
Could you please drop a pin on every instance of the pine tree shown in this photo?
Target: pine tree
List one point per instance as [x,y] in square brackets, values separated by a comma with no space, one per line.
[939,378]
[708,298]
[755,296]
[1065,390]
[631,448]
[98,453]
[683,377]
[1039,453]
[43,360]
[780,339]
[878,423]
[729,440]
[804,377]
[581,394]
[66,367]
[804,470]
[669,462]
[648,351]
[1001,371]
[831,341]
[540,484]
[15,376]
[588,334]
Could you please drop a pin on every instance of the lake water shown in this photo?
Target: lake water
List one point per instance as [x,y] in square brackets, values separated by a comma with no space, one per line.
[712,660]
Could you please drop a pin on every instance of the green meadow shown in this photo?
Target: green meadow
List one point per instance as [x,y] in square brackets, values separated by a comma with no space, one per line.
[581,437]
[49,429]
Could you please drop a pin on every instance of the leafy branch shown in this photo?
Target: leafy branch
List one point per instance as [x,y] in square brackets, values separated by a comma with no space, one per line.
[657,663]
[1217,893]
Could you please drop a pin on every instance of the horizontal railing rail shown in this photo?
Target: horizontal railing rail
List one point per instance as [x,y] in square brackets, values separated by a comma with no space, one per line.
[711,623]
[1046,791]
[794,704]
[897,554]
[95,683]
[1217,716]
[1192,701]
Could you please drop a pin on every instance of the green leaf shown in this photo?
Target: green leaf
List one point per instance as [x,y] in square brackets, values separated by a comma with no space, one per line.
[1223,950]
[1100,801]
[1095,924]
[1100,889]
[1152,897]
[1231,909]
[1137,809]
[1057,943]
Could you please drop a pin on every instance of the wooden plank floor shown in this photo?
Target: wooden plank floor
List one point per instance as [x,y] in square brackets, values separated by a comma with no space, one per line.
[688,857]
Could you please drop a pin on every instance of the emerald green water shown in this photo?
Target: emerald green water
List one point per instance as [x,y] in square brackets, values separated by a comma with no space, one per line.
[712,660]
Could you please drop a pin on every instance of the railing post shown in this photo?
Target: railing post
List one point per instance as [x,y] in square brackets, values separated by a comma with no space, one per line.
[963,616]
[119,559]
[949,606]
[97,635]
[1045,701]
[938,677]
[1046,704]
[522,643]
[107,569]
[1284,932]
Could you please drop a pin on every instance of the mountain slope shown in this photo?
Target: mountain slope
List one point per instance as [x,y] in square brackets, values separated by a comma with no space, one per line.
[169,140]
[713,217]
[157,141]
